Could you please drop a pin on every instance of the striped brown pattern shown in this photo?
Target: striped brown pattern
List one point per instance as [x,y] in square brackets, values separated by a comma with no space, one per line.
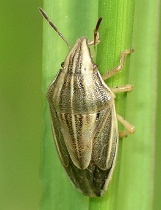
[84,121]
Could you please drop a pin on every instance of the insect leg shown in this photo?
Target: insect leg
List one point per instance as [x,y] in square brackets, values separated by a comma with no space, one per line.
[120,89]
[118,68]
[130,128]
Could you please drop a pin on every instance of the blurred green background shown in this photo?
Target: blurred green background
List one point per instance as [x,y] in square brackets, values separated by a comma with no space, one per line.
[21,107]
[20,104]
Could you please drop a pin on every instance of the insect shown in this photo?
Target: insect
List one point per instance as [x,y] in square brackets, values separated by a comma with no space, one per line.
[83,117]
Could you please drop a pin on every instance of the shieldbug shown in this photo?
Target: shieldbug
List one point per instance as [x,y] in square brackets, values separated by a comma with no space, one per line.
[83,117]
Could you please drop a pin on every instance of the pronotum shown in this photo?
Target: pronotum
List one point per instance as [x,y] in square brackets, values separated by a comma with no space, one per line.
[83,117]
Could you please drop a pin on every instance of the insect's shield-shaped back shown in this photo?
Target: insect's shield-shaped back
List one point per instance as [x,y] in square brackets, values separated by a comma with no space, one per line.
[84,121]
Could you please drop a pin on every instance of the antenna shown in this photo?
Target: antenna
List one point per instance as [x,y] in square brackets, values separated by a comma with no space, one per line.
[53,26]
[96,34]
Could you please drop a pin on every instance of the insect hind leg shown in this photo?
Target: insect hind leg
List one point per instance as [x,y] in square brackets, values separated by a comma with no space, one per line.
[130,128]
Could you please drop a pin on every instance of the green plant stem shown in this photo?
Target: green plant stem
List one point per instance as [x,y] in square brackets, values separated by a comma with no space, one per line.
[138,158]
[115,37]
[131,186]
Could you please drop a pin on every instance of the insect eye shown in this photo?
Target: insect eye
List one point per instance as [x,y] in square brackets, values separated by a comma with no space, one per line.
[97,116]
[62,64]
[95,66]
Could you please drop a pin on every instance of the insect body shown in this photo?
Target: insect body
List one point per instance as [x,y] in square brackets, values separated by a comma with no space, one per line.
[83,117]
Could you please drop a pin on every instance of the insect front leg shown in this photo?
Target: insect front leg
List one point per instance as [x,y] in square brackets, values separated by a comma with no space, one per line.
[130,128]
[118,68]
